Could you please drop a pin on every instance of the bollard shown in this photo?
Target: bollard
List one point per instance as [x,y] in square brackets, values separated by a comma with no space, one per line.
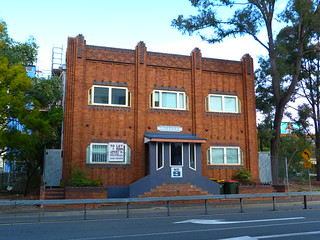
[205,206]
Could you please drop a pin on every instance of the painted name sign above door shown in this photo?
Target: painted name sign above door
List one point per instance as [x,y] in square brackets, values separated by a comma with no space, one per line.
[163,128]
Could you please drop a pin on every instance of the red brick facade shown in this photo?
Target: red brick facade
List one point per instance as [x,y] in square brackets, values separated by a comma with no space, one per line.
[142,72]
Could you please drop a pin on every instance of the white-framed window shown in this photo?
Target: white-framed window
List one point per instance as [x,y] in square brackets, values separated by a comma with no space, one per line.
[192,156]
[169,100]
[223,103]
[224,156]
[108,153]
[109,96]
[176,154]
[160,155]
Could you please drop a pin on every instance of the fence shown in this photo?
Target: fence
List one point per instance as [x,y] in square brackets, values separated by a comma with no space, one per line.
[167,200]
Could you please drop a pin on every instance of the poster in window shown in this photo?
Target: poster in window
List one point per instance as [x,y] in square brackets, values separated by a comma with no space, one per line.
[176,172]
[116,152]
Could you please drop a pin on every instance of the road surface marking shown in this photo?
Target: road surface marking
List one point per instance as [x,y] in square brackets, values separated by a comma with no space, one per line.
[240,238]
[272,236]
[216,222]
[288,235]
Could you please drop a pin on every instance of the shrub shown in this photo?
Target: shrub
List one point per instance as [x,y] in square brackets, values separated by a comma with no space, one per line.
[79,178]
[243,176]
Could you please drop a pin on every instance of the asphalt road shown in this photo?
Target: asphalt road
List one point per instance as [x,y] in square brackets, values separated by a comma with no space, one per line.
[290,225]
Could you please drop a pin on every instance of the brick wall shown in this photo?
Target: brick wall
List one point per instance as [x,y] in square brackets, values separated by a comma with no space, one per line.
[85,193]
[175,189]
[142,72]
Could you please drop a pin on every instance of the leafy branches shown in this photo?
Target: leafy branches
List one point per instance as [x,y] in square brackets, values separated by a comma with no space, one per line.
[30,109]
[299,22]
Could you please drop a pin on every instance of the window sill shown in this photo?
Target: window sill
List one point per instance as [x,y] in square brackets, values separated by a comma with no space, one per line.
[115,108]
[103,165]
[223,114]
[162,110]
[225,166]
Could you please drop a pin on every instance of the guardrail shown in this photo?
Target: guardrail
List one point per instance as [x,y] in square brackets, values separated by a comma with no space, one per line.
[168,200]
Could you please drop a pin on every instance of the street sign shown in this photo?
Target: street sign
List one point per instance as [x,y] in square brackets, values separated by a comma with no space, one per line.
[306,154]
[307,164]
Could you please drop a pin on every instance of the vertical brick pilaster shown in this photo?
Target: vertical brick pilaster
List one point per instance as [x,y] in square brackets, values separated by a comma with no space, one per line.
[196,84]
[251,161]
[139,106]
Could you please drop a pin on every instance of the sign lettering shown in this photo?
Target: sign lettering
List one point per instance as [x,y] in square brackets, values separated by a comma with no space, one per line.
[162,128]
[176,172]
[116,152]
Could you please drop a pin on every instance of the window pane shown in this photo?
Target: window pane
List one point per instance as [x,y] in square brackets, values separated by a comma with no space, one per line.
[99,153]
[232,156]
[192,156]
[181,100]
[156,99]
[128,155]
[230,104]
[118,96]
[169,100]
[101,95]
[215,103]
[159,156]
[217,155]
[176,154]
[90,96]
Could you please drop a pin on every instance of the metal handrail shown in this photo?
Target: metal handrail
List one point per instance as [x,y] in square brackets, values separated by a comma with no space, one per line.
[168,200]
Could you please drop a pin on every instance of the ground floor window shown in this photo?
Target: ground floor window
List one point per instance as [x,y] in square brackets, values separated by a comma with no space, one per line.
[174,153]
[108,153]
[225,155]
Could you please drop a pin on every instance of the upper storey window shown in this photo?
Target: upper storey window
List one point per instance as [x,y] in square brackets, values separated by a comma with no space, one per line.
[223,103]
[169,100]
[110,96]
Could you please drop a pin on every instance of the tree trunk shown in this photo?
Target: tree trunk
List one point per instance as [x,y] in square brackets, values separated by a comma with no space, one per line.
[318,155]
[275,143]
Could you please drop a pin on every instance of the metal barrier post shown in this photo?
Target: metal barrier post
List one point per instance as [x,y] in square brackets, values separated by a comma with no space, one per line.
[15,211]
[168,208]
[128,209]
[305,201]
[241,206]
[85,212]
[39,213]
[205,206]
[274,203]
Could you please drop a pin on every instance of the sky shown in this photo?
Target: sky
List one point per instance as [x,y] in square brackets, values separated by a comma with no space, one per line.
[113,23]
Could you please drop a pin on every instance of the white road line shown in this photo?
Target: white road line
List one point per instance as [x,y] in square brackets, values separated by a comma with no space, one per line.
[128,236]
[240,238]
[216,222]
[289,235]
[273,236]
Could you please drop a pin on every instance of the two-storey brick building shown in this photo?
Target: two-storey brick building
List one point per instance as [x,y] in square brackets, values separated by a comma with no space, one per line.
[143,120]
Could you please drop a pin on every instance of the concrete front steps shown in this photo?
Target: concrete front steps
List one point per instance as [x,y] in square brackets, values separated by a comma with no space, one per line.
[52,194]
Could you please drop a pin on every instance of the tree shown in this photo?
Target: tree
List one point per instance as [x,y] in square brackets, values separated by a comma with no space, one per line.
[14,84]
[48,92]
[19,118]
[30,109]
[18,53]
[300,20]
[292,145]
[25,145]
[310,89]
